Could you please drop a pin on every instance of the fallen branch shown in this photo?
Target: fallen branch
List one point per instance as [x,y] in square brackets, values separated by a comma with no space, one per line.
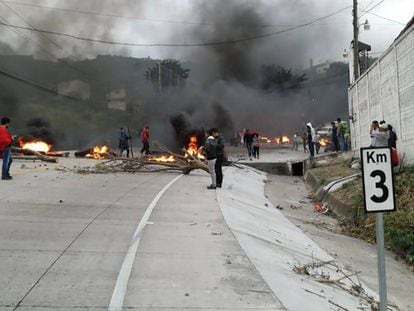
[149,163]
[35,153]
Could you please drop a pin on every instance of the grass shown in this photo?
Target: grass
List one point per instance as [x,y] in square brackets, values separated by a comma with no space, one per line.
[329,172]
[398,226]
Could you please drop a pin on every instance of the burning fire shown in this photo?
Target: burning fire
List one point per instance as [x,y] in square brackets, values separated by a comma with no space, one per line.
[98,152]
[193,149]
[164,159]
[265,139]
[285,140]
[282,140]
[323,142]
[38,146]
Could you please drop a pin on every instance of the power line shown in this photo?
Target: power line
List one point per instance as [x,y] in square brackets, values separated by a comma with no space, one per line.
[369,10]
[143,19]
[42,49]
[386,18]
[212,43]
[35,85]
[31,25]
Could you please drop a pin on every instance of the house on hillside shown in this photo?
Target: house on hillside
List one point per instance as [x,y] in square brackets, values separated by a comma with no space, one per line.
[386,92]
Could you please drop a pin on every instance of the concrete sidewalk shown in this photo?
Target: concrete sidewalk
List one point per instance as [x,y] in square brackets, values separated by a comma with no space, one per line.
[189,259]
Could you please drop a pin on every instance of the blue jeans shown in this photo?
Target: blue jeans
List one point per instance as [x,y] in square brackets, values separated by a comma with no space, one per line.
[7,161]
[250,148]
[341,142]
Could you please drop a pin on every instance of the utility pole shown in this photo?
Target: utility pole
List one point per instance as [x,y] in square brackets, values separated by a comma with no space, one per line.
[159,78]
[356,45]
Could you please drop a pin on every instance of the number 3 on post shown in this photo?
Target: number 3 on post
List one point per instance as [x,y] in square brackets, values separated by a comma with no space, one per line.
[377,179]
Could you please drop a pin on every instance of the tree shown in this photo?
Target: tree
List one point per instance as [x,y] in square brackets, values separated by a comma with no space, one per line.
[171,71]
[277,78]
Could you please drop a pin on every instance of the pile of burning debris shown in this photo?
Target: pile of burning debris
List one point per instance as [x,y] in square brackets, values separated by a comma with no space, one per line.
[36,149]
[161,159]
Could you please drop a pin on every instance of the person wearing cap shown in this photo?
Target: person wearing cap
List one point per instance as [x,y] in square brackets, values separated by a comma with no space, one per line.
[380,137]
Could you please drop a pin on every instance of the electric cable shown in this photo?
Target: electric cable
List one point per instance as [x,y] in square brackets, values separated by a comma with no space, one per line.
[212,43]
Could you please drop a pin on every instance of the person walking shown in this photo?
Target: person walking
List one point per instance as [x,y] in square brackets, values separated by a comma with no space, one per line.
[311,139]
[124,142]
[210,149]
[145,136]
[5,148]
[218,167]
[256,146]
[248,140]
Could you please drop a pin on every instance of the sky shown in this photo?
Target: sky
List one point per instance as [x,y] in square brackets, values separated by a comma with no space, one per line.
[187,21]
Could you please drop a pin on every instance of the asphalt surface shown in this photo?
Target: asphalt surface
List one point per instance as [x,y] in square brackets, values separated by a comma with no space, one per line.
[65,237]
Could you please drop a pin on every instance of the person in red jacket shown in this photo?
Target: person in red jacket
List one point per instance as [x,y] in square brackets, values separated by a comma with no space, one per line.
[145,140]
[5,148]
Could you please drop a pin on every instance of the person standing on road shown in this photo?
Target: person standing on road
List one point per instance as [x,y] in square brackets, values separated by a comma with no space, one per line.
[218,167]
[124,142]
[340,134]
[334,137]
[5,148]
[256,146]
[145,136]
[295,143]
[248,140]
[311,139]
[304,141]
[210,149]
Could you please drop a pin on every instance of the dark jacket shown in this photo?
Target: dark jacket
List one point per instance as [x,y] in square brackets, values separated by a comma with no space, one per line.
[220,145]
[392,140]
[211,148]
[124,140]
[248,137]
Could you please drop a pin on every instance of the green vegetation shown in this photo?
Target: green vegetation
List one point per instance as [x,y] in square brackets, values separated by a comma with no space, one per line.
[398,226]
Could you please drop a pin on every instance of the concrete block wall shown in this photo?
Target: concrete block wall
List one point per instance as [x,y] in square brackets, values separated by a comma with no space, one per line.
[386,92]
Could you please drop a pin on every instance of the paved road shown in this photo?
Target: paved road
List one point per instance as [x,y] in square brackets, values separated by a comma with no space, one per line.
[64,238]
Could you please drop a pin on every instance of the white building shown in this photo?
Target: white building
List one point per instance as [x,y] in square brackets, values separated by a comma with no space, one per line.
[386,92]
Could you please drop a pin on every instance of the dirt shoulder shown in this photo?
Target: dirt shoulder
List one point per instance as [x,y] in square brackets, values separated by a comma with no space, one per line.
[293,198]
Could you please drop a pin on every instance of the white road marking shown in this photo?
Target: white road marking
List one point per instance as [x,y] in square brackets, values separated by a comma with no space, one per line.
[120,289]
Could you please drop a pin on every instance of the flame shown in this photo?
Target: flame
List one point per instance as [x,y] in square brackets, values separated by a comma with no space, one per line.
[37,145]
[265,139]
[98,152]
[323,142]
[285,140]
[282,140]
[192,148]
[164,159]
